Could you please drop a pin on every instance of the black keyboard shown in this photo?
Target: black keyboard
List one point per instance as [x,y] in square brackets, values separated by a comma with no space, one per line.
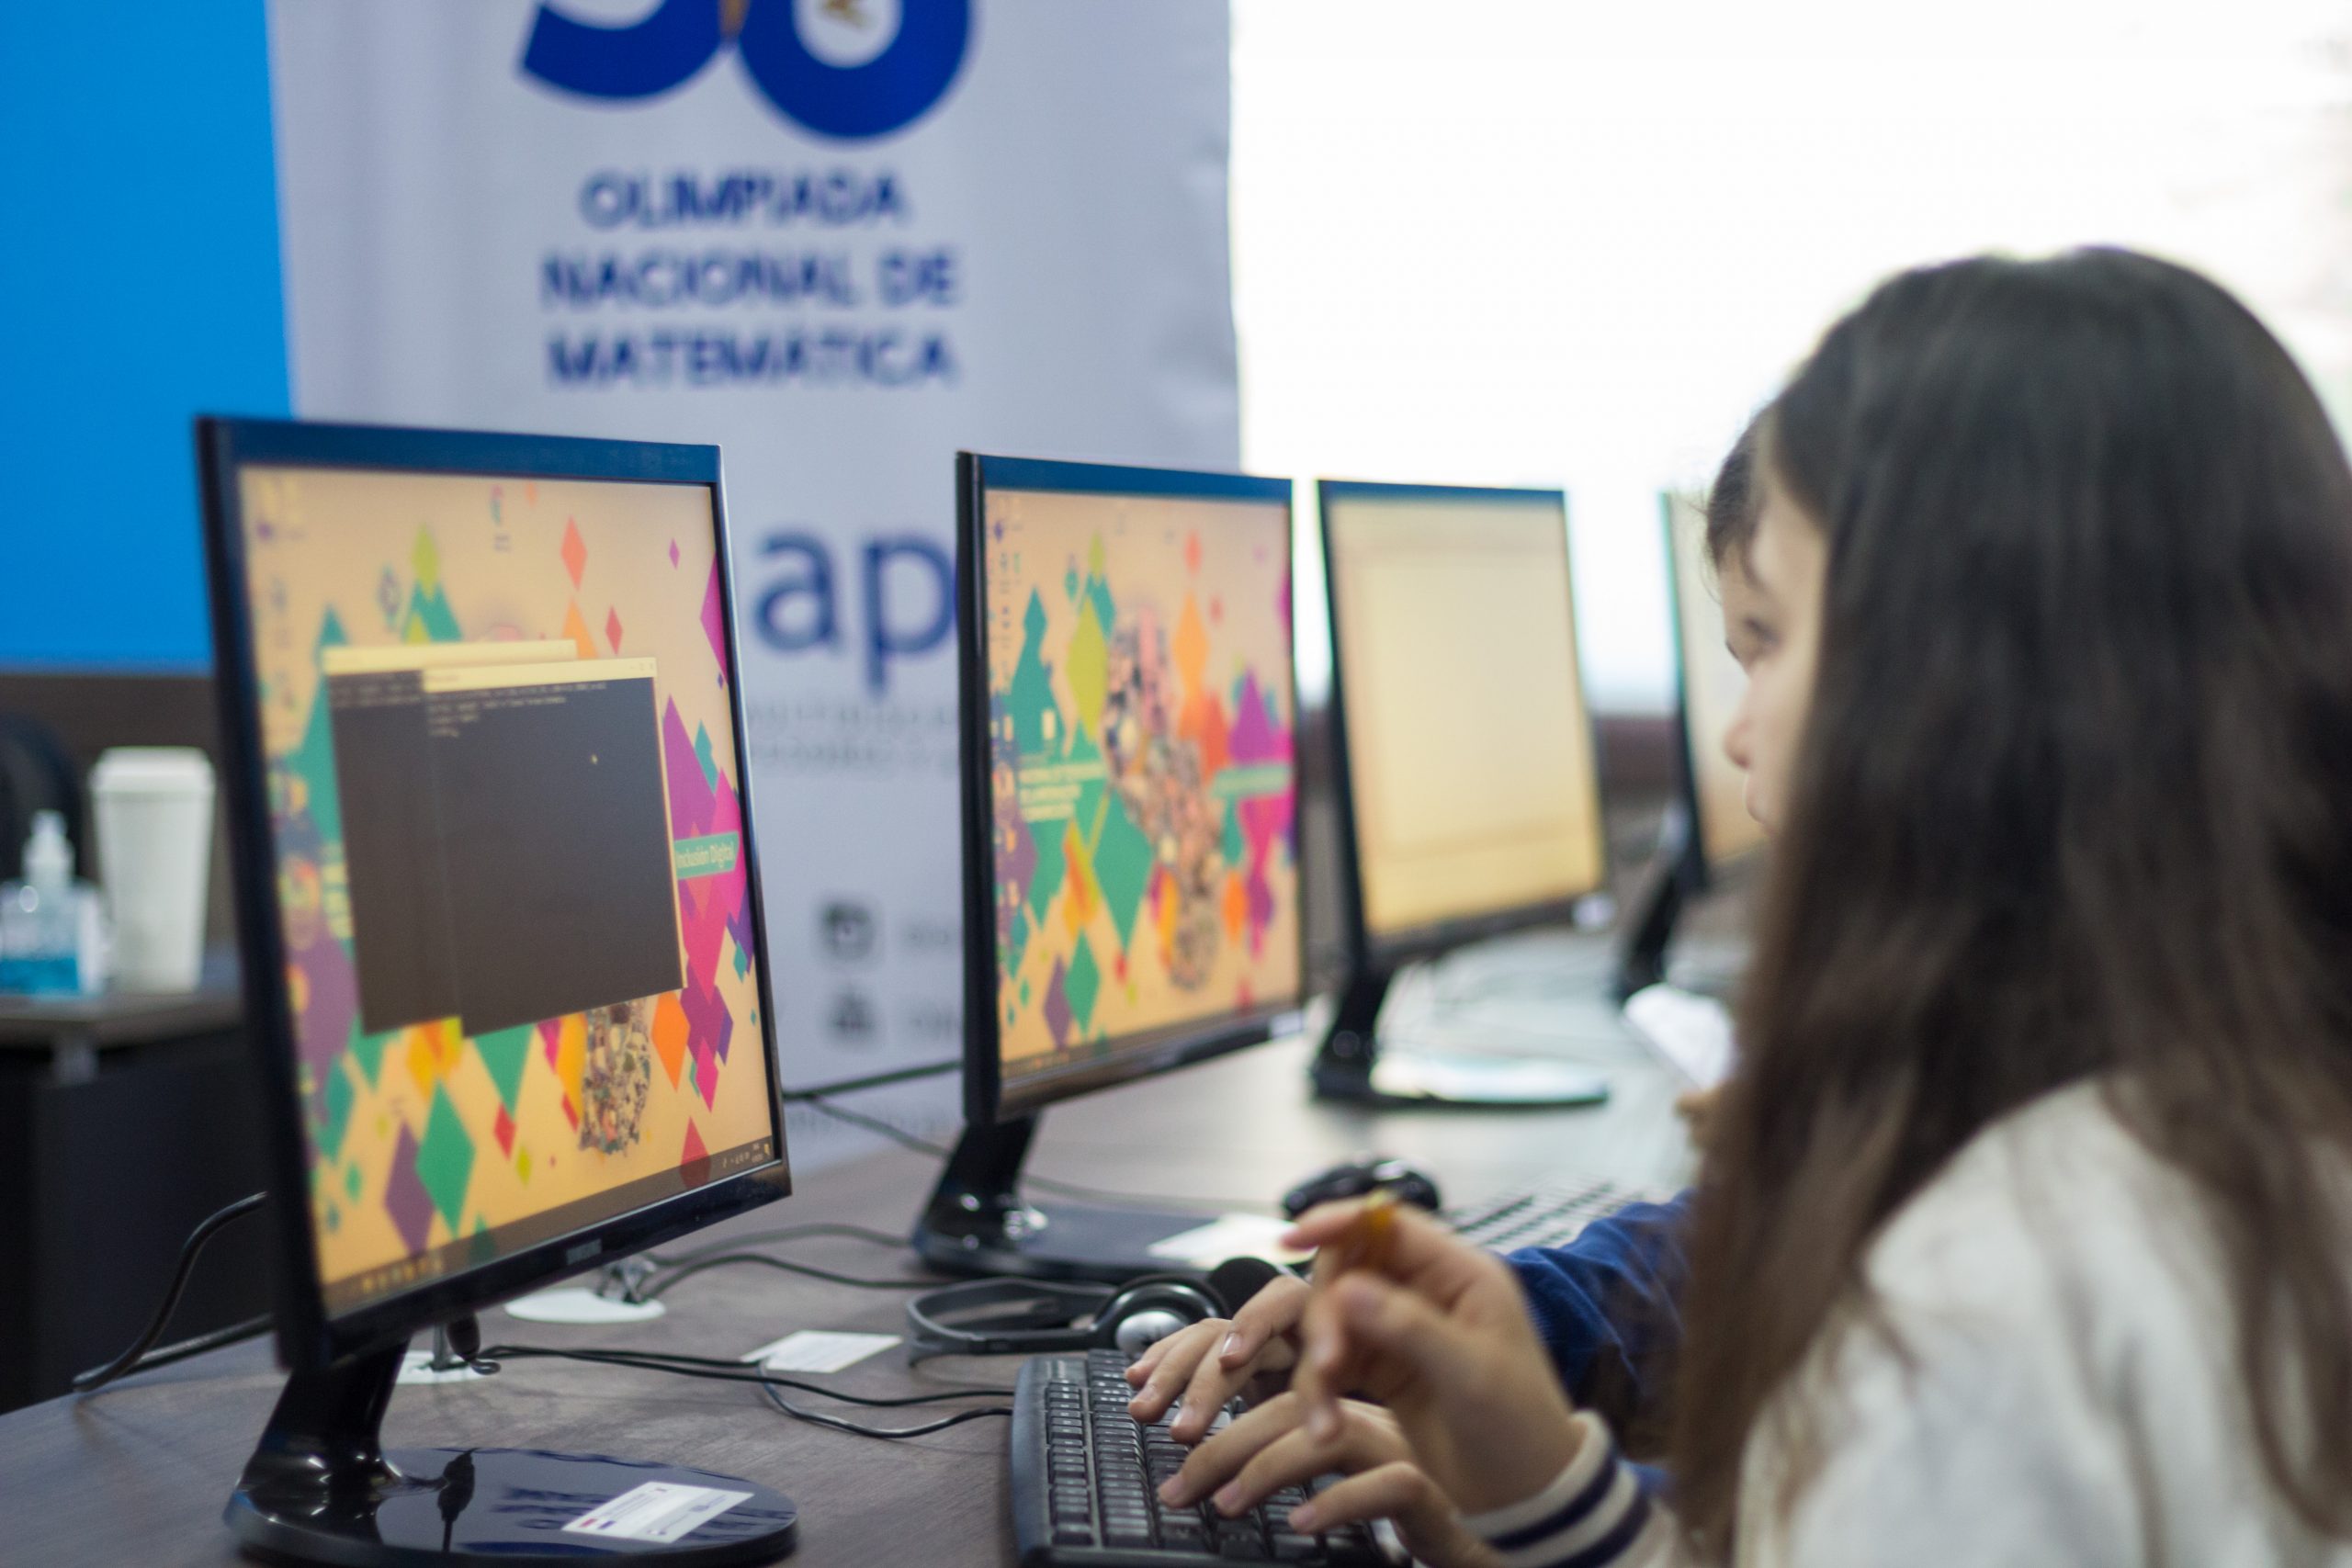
[1551,1215]
[1086,1482]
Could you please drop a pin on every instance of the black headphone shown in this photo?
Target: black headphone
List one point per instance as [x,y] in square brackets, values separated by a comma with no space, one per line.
[972,1319]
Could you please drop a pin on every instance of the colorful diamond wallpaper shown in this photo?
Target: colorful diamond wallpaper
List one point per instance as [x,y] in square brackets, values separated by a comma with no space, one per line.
[1141,720]
[515,909]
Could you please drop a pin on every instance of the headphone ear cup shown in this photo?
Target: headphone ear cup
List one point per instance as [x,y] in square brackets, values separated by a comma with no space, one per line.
[1150,1309]
[1139,1331]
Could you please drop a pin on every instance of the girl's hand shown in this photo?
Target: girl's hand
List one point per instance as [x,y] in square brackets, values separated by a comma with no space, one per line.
[1269,1448]
[1209,1363]
[1441,1335]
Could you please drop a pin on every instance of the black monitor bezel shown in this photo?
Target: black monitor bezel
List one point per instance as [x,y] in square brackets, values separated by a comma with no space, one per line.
[308,1335]
[987,1100]
[1368,951]
[1702,867]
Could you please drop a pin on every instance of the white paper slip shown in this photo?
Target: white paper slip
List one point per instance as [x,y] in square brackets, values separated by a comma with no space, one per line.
[1229,1236]
[657,1511]
[820,1350]
[1691,1034]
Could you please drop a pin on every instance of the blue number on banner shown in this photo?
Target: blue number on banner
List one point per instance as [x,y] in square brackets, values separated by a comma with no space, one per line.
[679,37]
[635,62]
[857,101]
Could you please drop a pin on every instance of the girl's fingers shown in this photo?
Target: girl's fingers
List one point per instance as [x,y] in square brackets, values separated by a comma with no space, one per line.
[1392,1491]
[1296,1458]
[1170,1364]
[1215,1461]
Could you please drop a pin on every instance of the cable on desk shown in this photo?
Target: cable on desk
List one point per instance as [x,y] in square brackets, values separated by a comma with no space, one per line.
[713,1369]
[819,1418]
[137,1357]
[905,1139]
[873,1080]
[898,1135]
[653,1273]
[677,1274]
[788,1233]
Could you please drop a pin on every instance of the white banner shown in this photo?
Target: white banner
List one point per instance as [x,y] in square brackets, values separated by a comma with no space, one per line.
[841,239]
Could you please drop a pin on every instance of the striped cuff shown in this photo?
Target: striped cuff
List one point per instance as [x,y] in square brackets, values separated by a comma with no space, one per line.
[1591,1515]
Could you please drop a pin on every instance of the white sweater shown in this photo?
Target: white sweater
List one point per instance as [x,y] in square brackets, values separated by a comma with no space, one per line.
[2073,1395]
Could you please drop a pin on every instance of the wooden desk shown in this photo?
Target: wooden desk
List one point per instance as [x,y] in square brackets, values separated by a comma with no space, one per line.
[139,1474]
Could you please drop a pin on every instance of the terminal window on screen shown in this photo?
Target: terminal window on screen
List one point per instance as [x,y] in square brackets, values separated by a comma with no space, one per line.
[505,833]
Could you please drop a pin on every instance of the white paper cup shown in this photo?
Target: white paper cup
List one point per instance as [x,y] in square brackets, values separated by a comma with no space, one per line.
[154,806]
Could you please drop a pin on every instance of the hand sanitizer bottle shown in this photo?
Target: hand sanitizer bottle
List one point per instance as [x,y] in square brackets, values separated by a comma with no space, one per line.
[41,918]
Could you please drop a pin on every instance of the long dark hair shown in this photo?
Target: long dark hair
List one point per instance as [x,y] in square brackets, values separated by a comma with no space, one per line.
[1735,502]
[2073,803]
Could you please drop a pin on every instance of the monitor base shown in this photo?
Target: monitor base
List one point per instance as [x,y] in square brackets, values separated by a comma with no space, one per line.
[1064,1241]
[978,1223]
[1350,1068]
[320,1489]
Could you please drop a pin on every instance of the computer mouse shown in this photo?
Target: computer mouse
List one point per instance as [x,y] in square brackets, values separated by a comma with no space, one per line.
[1355,1179]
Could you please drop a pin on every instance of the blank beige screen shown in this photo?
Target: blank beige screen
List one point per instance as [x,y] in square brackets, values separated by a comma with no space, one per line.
[1470,752]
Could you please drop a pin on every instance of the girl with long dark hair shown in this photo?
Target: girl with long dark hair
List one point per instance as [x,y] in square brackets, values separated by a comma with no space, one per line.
[2024,1232]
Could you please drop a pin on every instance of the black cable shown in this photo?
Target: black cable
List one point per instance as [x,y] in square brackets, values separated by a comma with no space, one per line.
[898,1135]
[181,1350]
[887,1434]
[715,1371]
[875,1081]
[905,1139]
[665,1270]
[136,1357]
[677,1274]
[788,1233]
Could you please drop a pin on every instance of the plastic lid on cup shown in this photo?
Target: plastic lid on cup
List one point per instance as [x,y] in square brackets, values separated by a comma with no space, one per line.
[151,769]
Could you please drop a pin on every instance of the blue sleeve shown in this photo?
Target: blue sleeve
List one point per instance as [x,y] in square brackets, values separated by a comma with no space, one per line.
[1607,1305]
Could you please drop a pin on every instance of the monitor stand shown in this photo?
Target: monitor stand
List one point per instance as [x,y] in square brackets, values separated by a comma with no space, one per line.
[1675,874]
[1350,1066]
[321,1488]
[978,1221]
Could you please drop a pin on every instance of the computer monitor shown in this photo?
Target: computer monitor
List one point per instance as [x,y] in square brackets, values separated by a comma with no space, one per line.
[501,935]
[1708,688]
[1130,788]
[1708,832]
[1468,796]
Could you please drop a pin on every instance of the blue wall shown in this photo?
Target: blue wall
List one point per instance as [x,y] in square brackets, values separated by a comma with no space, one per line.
[138,284]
